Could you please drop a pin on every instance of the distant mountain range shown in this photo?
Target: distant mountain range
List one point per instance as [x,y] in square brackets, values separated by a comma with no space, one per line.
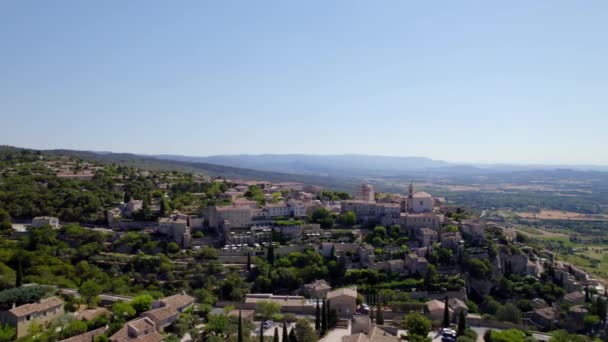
[340,172]
[354,165]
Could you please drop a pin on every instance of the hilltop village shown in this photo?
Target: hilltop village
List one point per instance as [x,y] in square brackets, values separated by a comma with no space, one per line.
[98,252]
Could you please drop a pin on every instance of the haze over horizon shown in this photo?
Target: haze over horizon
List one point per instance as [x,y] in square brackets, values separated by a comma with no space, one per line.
[473,82]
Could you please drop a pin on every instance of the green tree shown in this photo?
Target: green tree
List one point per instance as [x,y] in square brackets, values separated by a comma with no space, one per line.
[267,309]
[487,336]
[292,336]
[90,289]
[509,313]
[304,332]
[417,324]
[240,328]
[165,208]
[324,320]
[142,303]
[217,324]
[323,217]
[446,313]
[379,315]
[76,327]
[124,310]
[318,317]
[564,336]
[6,224]
[270,253]
[348,218]
[510,335]
[462,323]
[172,247]
[285,337]
[7,333]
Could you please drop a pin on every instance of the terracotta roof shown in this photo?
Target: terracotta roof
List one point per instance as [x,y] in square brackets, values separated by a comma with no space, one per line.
[86,337]
[93,313]
[177,301]
[43,305]
[434,305]
[347,291]
[140,326]
[379,335]
[547,313]
[455,303]
[161,314]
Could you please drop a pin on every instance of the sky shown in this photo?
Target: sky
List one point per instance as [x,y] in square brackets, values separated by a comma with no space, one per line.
[475,81]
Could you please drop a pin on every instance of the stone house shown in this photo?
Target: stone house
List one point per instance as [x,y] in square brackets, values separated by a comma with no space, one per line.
[42,312]
[344,301]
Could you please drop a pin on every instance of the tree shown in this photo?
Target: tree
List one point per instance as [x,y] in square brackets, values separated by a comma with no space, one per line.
[417,324]
[270,253]
[462,323]
[285,335]
[318,317]
[240,328]
[292,336]
[172,247]
[124,310]
[509,313]
[164,207]
[323,217]
[446,314]
[349,218]
[324,317]
[509,335]
[7,333]
[379,316]
[267,309]
[276,335]
[90,289]
[6,223]
[564,336]
[142,303]
[249,261]
[487,336]
[303,331]
[217,324]
[600,308]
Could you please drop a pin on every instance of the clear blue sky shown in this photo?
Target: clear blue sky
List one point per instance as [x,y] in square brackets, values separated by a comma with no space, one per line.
[482,81]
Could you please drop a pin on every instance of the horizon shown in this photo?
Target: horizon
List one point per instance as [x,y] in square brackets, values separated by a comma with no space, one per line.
[452,163]
[447,81]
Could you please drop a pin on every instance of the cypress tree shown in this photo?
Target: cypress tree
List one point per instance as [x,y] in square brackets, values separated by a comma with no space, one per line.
[379,316]
[328,316]
[446,314]
[262,332]
[462,323]
[285,337]
[324,317]
[270,253]
[276,334]
[318,317]
[19,279]
[292,335]
[240,331]
[487,336]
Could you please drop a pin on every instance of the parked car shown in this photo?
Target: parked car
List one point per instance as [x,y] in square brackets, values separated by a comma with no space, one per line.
[267,324]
